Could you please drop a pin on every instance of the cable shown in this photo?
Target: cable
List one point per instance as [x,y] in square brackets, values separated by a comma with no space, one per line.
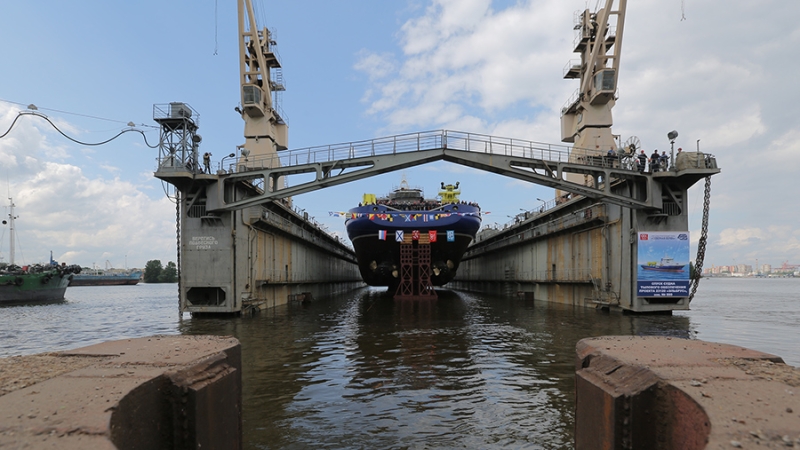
[11,126]
[42,116]
[67,112]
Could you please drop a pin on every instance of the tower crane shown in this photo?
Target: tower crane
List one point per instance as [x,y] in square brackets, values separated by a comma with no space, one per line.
[586,119]
[265,131]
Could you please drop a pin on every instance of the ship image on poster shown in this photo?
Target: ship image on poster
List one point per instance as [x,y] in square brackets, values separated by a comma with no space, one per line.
[663,264]
[379,225]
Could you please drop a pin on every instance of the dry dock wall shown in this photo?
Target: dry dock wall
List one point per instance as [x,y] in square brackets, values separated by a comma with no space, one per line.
[578,252]
[161,392]
[260,256]
[665,393]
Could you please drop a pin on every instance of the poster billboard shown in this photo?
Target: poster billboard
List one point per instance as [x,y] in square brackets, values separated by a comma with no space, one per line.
[663,264]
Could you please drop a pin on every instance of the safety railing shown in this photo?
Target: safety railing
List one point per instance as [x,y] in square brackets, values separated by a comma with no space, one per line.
[431,140]
[413,142]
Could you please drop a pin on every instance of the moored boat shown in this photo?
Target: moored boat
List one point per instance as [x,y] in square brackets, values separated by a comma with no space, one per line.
[379,225]
[124,278]
[37,283]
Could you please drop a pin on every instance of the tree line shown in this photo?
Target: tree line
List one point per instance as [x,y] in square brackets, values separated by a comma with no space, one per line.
[154,272]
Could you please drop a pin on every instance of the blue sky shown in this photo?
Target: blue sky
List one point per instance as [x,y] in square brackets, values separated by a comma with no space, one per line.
[359,69]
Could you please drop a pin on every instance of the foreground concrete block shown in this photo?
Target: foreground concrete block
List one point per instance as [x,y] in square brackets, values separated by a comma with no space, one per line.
[162,392]
[665,393]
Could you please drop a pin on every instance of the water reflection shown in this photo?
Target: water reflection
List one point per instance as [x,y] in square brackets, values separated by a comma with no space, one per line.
[466,370]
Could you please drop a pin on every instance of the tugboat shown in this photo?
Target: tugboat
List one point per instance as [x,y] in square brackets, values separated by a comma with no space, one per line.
[38,283]
[380,226]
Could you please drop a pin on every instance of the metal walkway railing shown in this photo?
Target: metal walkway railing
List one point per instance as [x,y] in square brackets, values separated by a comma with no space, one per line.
[414,142]
[536,162]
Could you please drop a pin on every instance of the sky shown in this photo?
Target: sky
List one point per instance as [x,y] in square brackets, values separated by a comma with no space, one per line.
[720,72]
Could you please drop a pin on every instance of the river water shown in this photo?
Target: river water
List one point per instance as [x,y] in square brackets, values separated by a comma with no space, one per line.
[361,371]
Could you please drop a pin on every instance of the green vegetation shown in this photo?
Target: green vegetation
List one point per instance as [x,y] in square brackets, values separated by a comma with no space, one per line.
[154,272]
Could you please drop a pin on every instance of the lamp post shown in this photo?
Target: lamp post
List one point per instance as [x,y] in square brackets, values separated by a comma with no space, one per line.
[541,208]
[222,163]
[672,135]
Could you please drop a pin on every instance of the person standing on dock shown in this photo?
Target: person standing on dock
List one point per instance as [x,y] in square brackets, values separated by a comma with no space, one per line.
[664,160]
[642,161]
[611,156]
[207,161]
[654,161]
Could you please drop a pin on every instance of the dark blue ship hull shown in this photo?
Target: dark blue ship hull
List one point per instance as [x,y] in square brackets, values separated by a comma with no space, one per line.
[373,232]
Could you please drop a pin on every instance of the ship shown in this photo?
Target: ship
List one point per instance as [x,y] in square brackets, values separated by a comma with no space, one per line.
[666,264]
[37,283]
[379,225]
[107,278]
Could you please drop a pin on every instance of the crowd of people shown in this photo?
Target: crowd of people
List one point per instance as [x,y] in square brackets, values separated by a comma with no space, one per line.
[655,163]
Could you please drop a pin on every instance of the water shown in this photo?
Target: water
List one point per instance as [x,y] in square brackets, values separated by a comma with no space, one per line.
[361,371]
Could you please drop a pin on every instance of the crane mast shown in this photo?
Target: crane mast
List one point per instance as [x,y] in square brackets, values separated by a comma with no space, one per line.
[586,119]
[265,131]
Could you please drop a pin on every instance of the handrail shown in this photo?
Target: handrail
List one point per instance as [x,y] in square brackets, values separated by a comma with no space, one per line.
[413,142]
[424,141]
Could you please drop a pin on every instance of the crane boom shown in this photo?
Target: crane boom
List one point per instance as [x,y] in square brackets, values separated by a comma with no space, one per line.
[265,131]
[586,119]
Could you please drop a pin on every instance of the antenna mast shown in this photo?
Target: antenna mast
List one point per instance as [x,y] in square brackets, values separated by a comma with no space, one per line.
[12,234]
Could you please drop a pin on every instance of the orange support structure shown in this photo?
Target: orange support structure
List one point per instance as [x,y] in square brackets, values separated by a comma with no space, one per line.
[415,273]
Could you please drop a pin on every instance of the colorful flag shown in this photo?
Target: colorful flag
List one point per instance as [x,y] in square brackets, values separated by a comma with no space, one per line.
[432,235]
[424,217]
[398,235]
[372,217]
[415,235]
[382,235]
[451,236]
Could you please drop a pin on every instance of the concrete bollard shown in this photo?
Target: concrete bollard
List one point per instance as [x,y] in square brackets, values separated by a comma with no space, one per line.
[667,393]
[160,392]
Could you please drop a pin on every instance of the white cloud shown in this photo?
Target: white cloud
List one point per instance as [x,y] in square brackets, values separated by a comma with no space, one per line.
[467,66]
[82,218]
[738,238]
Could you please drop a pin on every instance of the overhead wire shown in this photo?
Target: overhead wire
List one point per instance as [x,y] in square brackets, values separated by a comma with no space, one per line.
[89,144]
[71,113]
